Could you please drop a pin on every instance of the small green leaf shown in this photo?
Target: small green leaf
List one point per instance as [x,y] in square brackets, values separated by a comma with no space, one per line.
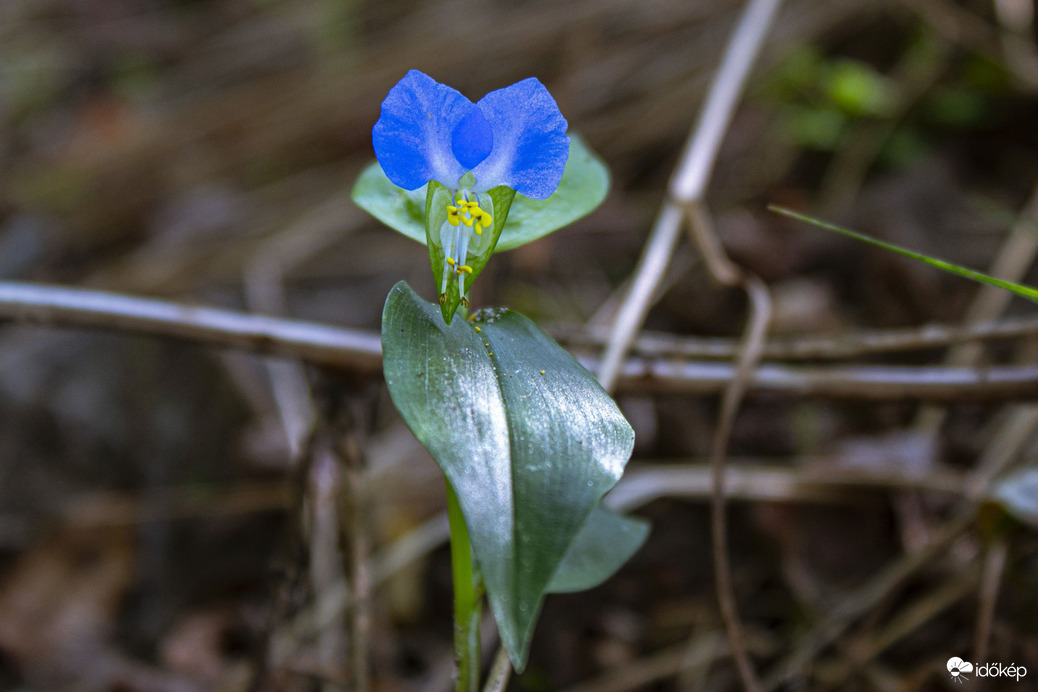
[1018,494]
[526,436]
[394,206]
[1018,289]
[605,542]
[584,185]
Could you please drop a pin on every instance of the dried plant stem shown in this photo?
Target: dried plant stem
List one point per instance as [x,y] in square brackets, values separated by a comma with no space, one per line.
[650,270]
[864,599]
[753,481]
[500,672]
[725,272]
[687,188]
[991,577]
[847,345]
[360,351]
[758,324]
[317,343]
[324,487]
[356,558]
[689,180]
[909,620]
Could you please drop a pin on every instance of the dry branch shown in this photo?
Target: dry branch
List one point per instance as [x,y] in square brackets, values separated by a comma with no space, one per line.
[360,351]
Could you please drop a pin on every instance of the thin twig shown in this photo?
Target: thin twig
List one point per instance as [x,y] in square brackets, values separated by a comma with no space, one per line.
[760,317]
[317,343]
[854,605]
[839,346]
[1016,20]
[991,578]
[927,607]
[863,383]
[753,481]
[360,351]
[697,162]
[914,75]
[353,532]
[725,272]
[1005,446]
[650,270]
[657,666]
[750,480]
[968,29]
[689,180]
[1015,257]
[500,672]
[326,573]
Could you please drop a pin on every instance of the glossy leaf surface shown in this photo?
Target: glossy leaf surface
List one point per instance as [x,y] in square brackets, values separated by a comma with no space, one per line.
[526,436]
[605,542]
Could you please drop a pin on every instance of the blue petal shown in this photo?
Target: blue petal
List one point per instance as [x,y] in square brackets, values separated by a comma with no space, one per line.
[530,142]
[473,139]
[412,137]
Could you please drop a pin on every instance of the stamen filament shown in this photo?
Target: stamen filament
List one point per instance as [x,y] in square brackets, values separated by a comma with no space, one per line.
[464,216]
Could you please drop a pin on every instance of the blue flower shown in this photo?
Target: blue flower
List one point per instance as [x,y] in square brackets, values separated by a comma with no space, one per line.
[513,137]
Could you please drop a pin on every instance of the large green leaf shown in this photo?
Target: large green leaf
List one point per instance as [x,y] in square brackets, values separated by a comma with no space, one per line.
[584,185]
[605,542]
[526,436]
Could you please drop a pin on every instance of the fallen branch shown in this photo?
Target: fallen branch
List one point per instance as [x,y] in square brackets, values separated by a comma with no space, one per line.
[360,350]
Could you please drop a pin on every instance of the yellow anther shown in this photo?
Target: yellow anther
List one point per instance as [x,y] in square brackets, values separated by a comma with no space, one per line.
[478,329]
[463,211]
[450,261]
[465,268]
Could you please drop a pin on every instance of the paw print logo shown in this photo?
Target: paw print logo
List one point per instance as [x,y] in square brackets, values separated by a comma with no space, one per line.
[958,668]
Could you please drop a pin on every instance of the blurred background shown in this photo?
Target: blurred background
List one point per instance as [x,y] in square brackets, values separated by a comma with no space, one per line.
[178,517]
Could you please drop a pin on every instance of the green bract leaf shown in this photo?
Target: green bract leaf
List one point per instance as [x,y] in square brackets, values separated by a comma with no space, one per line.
[584,186]
[496,202]
[1019,289]
[605,542]
[526,436]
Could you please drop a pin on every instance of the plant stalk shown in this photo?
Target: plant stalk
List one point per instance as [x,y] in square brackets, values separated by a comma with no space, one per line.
[468,599]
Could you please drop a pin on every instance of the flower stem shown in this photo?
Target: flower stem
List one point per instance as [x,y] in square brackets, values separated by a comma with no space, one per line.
[468,598]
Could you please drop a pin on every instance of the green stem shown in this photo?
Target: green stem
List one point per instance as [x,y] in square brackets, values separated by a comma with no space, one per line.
[468,598]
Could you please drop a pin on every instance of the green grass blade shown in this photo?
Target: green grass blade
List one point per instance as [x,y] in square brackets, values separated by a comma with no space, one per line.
[1018,289]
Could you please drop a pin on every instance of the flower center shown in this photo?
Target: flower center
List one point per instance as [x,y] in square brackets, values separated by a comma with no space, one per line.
[464,217]
[470,214]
